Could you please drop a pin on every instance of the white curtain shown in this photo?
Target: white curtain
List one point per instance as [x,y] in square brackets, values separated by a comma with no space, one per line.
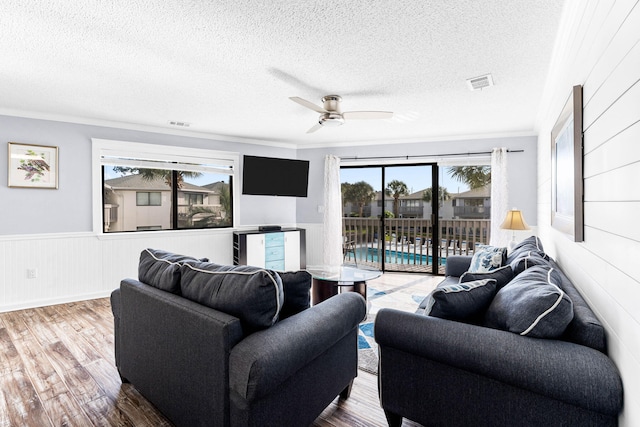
[332,242]
[499,196]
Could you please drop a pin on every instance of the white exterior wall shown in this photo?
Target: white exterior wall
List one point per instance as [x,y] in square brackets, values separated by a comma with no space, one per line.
[601,51]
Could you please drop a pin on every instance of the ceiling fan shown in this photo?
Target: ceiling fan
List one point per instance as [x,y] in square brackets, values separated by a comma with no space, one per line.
[330,114]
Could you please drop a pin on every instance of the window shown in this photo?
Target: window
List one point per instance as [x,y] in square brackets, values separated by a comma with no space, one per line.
[146,187]
[148,198]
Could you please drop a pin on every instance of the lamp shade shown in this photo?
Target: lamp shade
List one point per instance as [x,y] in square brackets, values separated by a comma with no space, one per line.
[514,221]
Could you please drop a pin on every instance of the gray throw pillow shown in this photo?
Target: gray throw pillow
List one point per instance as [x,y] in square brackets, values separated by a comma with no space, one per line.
[297,292]
[161,269]
[527,260]
[530,244]
[486,258]
[252,294]
[532,304]
[502,276]
[461,301]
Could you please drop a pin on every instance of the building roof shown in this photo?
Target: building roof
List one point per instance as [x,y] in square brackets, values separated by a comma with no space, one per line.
[138,182]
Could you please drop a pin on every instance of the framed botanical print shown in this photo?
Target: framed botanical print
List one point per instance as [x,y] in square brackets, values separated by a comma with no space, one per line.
[567,190]
[32,166]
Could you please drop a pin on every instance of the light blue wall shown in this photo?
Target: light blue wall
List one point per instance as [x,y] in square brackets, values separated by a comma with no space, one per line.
[68,209]
[521,167]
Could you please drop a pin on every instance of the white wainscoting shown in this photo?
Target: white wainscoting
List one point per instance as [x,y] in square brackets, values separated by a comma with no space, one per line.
[78,266]
[313,236]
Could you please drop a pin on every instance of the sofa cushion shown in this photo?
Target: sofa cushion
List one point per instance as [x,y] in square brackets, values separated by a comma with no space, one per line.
[252,294]
[532,304]
[502,276]
[161,269]
[530,244]
[297,292]
[529,259]
[460,301]
[487,258]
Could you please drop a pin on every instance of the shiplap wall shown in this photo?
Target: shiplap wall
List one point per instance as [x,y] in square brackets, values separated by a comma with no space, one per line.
[600,50]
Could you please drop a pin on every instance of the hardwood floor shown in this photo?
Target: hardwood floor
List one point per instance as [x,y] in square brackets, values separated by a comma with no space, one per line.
[57,369]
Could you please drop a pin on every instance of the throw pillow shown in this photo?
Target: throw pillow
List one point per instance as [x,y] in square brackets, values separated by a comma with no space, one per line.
[530,244]
[252,294]
[528,259]
[161,269]
[532,304]
[297,292]
[460,301]
[487,258]
[502,276]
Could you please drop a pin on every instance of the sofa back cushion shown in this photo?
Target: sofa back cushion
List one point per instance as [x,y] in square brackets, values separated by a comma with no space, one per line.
[161,269]
[297,292]
[530,244]
[585,328]
[532,304]
[252,294]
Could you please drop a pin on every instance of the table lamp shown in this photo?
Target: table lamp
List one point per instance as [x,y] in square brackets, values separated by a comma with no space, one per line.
[514,221]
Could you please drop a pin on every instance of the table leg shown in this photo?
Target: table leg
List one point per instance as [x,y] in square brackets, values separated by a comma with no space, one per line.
[322,290]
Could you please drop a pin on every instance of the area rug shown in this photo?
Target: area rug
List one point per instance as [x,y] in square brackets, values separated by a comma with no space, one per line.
[367,346]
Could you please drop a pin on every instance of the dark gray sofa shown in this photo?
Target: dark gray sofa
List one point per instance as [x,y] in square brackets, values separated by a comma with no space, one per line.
[201,366]
[442,372]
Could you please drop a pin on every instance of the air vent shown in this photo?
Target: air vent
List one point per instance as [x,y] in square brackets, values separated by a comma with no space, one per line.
[480,82]
[179,124]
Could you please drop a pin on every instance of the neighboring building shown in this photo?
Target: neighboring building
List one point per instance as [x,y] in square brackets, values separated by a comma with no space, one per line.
[472,204]
[134,203]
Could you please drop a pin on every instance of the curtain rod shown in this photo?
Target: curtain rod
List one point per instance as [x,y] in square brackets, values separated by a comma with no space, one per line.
[476,153]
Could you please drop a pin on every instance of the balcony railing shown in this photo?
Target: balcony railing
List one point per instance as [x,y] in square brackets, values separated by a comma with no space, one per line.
[407,242]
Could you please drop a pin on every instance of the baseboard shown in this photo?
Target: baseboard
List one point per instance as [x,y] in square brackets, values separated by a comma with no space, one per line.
[53,301]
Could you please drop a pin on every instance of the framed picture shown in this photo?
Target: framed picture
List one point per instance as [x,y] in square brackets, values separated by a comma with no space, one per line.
[32,166]
[567,209]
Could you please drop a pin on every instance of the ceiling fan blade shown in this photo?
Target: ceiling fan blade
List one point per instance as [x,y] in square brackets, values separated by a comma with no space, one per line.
[357,115]
[308,104]
[314,128]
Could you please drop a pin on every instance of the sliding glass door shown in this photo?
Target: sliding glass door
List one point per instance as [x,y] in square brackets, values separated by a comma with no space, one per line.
[388,217]
[394,219]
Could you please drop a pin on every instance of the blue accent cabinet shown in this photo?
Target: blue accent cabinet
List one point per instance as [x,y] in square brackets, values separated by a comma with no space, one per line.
[282,250]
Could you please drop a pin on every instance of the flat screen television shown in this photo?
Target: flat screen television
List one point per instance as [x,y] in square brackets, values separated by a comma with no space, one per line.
[270,176]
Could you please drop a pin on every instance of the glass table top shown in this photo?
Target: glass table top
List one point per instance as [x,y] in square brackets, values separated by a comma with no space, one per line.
[343,273]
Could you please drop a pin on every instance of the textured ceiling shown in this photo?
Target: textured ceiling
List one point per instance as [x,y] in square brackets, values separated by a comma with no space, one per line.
[229,67]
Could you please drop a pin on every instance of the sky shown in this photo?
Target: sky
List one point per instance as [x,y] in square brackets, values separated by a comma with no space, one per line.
[416,177]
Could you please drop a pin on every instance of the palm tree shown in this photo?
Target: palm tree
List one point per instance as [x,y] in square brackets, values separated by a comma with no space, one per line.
[396,189]
[359,193]
[443,195]
[474,176]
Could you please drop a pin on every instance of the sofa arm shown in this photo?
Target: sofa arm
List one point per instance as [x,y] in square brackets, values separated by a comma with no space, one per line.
[561,370]
[457,264]
[265,359]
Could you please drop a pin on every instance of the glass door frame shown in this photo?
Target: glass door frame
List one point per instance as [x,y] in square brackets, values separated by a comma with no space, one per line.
[435,224]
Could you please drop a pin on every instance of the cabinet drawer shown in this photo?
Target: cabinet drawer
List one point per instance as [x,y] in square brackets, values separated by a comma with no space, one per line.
[273,239]
[275,265]
[274,253]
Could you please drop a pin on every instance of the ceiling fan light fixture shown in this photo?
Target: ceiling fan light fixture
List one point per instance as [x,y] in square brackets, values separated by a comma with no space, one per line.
[480,82]
[331,119]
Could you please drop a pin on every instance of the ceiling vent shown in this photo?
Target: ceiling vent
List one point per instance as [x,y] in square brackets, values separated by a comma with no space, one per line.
[179,124]
[480,82]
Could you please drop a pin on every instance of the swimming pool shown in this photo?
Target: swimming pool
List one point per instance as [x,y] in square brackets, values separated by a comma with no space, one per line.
[396,257]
